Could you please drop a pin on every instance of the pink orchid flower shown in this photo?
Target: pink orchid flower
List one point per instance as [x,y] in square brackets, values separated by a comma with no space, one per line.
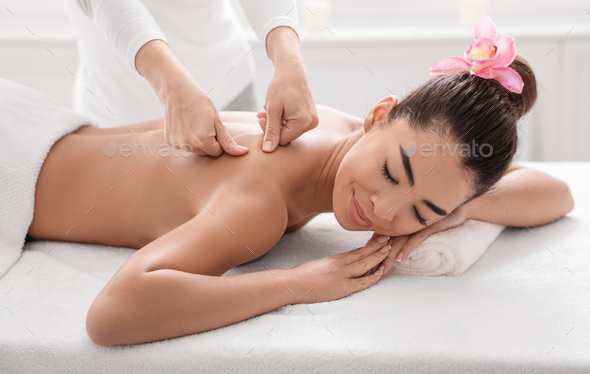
[486,57]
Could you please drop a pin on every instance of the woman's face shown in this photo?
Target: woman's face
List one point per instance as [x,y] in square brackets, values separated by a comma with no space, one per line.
[421,190]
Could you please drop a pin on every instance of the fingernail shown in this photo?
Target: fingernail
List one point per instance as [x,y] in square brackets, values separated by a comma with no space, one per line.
[399,256]
[383,239]
[241,148]
[267,145]
[386,248]
[379,272]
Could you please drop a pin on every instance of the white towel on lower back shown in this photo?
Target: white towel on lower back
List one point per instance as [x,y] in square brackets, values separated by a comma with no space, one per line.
[450,252]
[30,123]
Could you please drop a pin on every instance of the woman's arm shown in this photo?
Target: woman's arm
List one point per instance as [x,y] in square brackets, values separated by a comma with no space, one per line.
[172,287]
[523,197]
[167,303]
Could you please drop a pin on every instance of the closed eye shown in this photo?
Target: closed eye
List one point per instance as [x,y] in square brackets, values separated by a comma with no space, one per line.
[387,175]
[420,219]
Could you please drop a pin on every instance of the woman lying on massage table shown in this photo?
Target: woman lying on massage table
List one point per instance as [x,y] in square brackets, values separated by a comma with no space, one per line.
[195,217]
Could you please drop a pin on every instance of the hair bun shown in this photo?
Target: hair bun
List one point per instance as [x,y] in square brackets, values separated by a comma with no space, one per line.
[522,103]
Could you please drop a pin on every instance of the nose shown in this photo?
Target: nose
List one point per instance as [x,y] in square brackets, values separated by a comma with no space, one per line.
[383,208]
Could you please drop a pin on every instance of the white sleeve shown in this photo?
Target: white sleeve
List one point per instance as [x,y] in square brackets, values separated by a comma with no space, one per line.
[127,24]
[265,15]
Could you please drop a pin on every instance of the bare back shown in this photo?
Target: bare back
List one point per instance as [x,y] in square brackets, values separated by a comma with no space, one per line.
[147,189]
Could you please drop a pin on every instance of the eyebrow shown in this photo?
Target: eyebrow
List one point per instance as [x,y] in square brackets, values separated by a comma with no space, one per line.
[434,208]
[408,169]
[407,166]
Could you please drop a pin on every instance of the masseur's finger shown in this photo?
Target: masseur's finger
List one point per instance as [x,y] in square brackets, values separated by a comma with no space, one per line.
[211,147]
[228,143]
[273,129]
[295,127]
[262,120]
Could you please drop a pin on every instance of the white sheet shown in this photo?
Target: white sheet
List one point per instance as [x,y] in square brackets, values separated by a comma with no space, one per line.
[523,305]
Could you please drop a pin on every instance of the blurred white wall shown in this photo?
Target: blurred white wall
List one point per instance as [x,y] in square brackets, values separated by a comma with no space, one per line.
[356,52]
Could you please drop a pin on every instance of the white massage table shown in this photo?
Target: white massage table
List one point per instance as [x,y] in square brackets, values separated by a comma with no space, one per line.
[524,307]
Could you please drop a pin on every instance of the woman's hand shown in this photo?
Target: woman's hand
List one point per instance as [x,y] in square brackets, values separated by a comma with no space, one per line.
[331,278]
[403,245]
[190,116]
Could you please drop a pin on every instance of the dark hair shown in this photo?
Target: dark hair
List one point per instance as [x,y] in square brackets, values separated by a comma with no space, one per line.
[462,107]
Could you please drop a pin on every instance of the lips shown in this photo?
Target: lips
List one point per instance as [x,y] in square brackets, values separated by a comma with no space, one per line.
[357,215]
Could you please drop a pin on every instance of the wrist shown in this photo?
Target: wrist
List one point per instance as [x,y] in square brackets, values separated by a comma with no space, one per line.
[294,293]
[471,208]
[158,65]
[282,46]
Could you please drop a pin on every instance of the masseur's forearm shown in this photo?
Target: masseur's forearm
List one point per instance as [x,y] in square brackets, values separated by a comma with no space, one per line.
[523,197]
[282,46]
[165,303]
[156,62]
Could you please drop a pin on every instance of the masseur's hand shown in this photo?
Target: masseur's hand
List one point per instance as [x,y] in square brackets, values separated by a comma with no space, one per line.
[290,109]
[405,244]
[289,106]
[191,118]
[331,278]
[189,114]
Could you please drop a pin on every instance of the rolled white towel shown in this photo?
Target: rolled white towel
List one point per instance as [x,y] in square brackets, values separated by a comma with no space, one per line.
[450,252]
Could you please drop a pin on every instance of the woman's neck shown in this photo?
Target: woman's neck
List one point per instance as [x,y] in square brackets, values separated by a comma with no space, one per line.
[317,194]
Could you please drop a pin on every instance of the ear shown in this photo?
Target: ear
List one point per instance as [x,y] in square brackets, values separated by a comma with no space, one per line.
[378,111]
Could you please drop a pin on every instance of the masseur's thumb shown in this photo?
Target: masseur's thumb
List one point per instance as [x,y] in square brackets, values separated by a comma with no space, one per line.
[228,143]
[273,130]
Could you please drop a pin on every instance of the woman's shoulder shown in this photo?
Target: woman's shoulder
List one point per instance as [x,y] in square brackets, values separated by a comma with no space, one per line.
[331,120]
[335,120]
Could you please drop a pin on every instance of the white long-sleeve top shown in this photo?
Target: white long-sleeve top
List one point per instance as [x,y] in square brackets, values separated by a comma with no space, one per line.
[205,35]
